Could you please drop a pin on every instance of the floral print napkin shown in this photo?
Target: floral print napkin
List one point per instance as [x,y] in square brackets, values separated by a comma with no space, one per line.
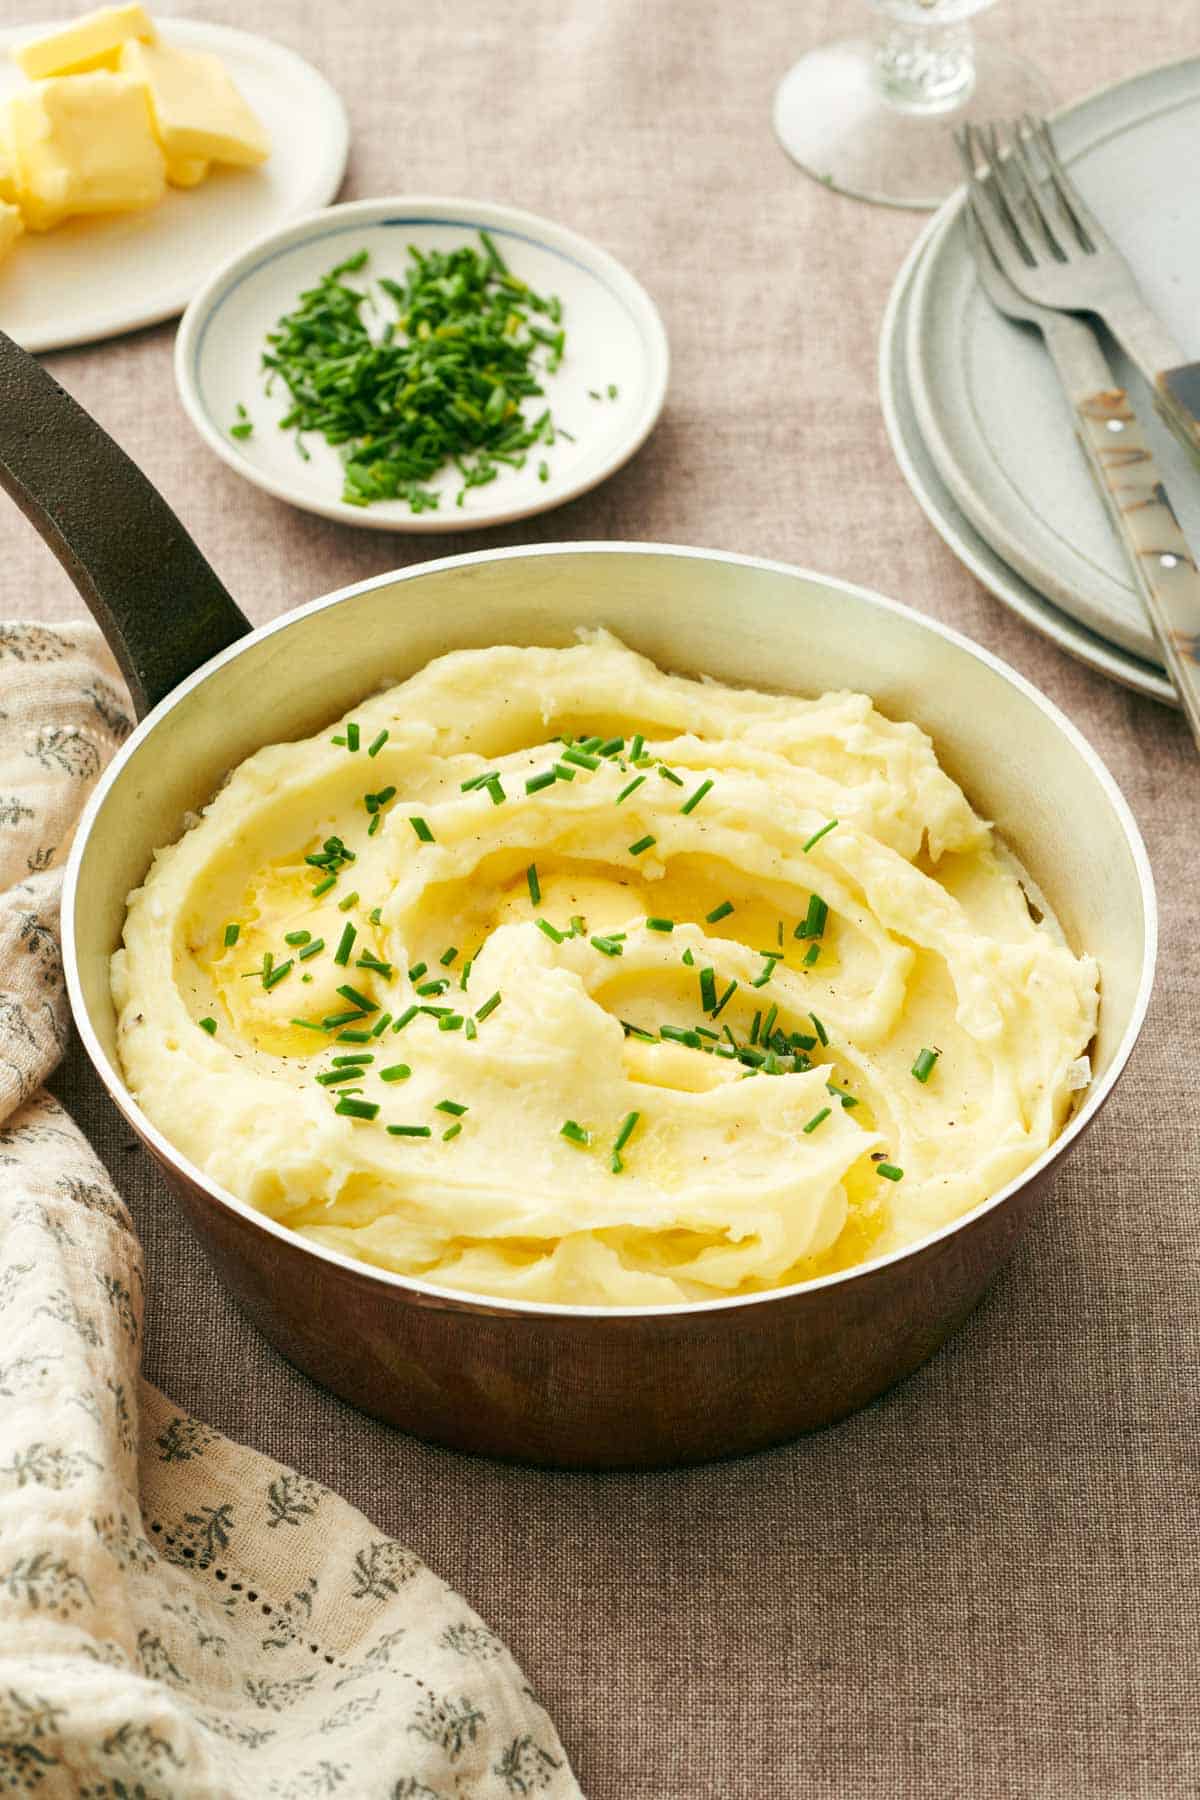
[179,1616]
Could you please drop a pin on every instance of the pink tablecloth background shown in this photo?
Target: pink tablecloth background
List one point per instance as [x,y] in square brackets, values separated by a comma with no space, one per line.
[986,1583]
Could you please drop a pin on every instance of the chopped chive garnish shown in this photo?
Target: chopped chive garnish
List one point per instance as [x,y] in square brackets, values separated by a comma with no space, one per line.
[376,915]
[417,970]
[451,1131]
[488,1006]
[543,470]
[323,887]
[612,748]
[397,1072]
[923,1067]
[406,1018]
[410,1131]
[613,390]
[889,1171]
[357,1109]
[451,1106]
[352,737]
[628,1127]
[469,1029]
[348,902]
[536,783]
[608,946]
[643,843]
[339,740]
[768,969]
[769,1023]
[381,1024]
[688,958]
[369,961]
[312,949]
[231,936]
[356,999]
[637,744]
[466,974]
[660,924]
[448,956]
[535,886]
[307,1024]
[355,1056]
[580,758]
[422,830]
[637,1032]
[451,1022]
[723,1002]
[353,1036]
[342,954]
[629,788]
[552,932]
[719,912]
[818,835]
[822,1034]
[708,989]
[495,791]
[845,1098]
[376,822]
[377,744]
[754,1027]
[289,937]
[589,744]
[579,925]
[575,1134]
[332,1077]
[818,1118]
[811,955]
[433,987]
[342,1018]
[693,800]
[670,775]
[209,1025]
[680,1034]
[277,974]
[813,925]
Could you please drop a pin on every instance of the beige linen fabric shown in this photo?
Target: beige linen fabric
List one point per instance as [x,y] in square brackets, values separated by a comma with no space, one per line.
[180,1617]
[985,1584]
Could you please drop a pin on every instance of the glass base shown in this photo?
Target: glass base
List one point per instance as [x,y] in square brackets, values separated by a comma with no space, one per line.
[834,119]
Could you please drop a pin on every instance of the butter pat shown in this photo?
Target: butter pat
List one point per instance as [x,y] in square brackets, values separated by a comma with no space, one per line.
[11,227]
[84,144]
[93,42]
[197,111]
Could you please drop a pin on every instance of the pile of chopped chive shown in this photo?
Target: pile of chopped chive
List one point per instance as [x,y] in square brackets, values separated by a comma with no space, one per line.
[441,383]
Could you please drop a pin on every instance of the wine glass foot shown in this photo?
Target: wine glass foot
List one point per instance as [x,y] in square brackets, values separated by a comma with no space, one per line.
[833,117]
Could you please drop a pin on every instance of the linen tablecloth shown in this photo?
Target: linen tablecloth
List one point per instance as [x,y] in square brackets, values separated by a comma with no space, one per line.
[986,1583]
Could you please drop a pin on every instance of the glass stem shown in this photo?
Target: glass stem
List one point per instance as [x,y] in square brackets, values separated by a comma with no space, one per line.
[924,68]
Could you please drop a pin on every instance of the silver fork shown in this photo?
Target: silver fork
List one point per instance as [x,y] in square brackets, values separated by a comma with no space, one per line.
[1056,252]
[1161,562]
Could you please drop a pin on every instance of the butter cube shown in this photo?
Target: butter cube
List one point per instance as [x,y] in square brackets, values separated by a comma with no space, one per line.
[83,144]
[186,171]
[197,111]
[11,226]
[93,42]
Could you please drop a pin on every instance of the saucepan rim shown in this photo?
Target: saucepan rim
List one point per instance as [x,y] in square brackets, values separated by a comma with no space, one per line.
[431,1293]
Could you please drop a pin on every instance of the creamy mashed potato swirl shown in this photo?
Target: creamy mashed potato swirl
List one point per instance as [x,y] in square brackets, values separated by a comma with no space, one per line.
[625,1045]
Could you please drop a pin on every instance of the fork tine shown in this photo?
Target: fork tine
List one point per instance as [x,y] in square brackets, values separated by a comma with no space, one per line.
[997,230]
[1019,204]
[993,184]
[1026,178]
[1088,228]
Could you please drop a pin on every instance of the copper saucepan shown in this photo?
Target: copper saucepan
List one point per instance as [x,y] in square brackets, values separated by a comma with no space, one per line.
[576,1386]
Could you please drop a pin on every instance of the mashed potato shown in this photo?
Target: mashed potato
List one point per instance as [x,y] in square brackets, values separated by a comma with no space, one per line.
[546,974]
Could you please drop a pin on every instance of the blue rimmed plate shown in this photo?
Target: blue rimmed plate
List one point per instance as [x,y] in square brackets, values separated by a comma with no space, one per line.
[607,393]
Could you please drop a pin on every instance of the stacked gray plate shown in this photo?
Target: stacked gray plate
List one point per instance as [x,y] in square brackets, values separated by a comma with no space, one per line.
[973,407]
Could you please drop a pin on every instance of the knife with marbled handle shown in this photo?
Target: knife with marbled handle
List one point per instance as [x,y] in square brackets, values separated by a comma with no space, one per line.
[1121,461]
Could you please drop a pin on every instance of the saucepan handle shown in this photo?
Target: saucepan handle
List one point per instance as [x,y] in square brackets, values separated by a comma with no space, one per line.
[161,606]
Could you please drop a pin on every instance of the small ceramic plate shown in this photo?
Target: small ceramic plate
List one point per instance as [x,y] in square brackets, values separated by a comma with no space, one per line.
[607,393]
[957,531]
[93,278]
[988,403]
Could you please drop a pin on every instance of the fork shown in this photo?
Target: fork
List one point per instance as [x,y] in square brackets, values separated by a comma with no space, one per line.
[1056,252]
[1162,564]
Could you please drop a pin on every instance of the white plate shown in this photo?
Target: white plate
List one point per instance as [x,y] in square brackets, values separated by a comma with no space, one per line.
[93,278]
[956,530]
[614,337]
[988,403]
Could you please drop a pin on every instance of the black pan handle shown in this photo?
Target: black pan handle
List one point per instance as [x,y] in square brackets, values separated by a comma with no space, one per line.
[161,606]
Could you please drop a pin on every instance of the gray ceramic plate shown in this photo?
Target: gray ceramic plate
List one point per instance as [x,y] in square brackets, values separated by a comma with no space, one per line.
[987,401]
[956,529]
